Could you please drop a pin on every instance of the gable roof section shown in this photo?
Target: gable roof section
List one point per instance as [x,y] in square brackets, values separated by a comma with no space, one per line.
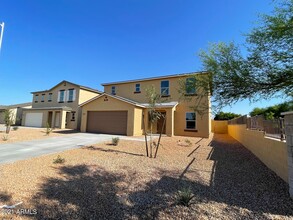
[129,101]
[154,78]
[162,105]
[64,81]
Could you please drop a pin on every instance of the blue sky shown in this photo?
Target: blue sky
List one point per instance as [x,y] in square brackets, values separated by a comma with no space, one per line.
[93,42]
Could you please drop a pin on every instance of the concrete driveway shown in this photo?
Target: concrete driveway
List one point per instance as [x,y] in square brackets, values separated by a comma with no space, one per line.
[24,150]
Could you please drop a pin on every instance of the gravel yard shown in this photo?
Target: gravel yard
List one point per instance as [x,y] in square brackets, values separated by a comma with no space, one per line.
[118,182]
[27,134]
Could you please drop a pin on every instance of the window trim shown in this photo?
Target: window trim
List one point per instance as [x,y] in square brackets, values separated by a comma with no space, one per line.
[69,95]
[195,122]
[163,94]
[113,88]
[43,98]
[189,93]
[59,98]
[36,98]
[137,88]
[50,97]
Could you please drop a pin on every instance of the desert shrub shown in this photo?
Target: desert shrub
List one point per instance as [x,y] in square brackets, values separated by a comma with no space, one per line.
[184,197]
[59,159]
[9,119]
[5,138]
[115,141]
[188,142]
[48,129]
[15,128]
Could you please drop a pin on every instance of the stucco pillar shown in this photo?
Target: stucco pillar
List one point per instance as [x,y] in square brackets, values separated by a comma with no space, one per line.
[288,121]
[170,122]
[53,119]
[62,119]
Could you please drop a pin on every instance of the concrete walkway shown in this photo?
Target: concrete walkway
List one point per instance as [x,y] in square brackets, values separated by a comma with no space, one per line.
[24,150]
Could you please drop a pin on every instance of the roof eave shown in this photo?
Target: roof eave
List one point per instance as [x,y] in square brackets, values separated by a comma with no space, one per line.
[153,78]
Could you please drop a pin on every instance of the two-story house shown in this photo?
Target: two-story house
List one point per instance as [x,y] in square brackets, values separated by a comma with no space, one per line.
[58,107]
[123,108]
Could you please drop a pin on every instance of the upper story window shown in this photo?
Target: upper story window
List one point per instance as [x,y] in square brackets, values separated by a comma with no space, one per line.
[165,88]
[190,120]
[137,88]
[71,95]
[190,86]
[61,96]
[36,98]
[43,98]
[50,97]
[113,90]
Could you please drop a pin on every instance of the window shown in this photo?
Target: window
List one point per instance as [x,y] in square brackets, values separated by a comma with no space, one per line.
[72,116]
[113,90]
[165,88]
[71,95]
[190,86]
[50,97]
[61,96]
[36,98]
[137,88]
[43,98]
[190,120]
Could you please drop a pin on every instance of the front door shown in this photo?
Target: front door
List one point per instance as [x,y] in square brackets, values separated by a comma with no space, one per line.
[160,124]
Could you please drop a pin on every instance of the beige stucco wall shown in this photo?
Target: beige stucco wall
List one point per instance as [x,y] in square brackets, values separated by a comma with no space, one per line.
[272,152]
[85,95]
[61,120]
[137,123]
[81,96]
[202,123]
[54,102]
[219,127]
[133,126]
[177,127]
[127,89]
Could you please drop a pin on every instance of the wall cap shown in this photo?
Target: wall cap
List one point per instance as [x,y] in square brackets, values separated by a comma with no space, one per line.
[287,113]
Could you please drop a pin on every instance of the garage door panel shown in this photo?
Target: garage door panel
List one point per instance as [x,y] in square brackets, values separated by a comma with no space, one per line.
[33,119]
[107,122]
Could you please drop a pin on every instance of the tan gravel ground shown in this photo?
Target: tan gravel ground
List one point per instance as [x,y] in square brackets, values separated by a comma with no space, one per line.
[28,134]
[119,182]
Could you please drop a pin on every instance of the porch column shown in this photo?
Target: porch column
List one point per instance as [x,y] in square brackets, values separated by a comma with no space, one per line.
[53,119]
[170,122]
[146,120]
[288,119]
[62,119]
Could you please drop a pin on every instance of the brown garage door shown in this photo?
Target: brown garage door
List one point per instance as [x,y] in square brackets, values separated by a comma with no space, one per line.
[109,122]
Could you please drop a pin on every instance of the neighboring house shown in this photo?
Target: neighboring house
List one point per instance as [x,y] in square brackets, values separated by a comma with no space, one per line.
[123,105]
[58,106]
[16,109]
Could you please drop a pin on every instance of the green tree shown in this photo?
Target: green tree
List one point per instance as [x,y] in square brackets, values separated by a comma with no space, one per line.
[226,116]
[266,71]
[153,116]
[8,119]
[273,111]
[195,90]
